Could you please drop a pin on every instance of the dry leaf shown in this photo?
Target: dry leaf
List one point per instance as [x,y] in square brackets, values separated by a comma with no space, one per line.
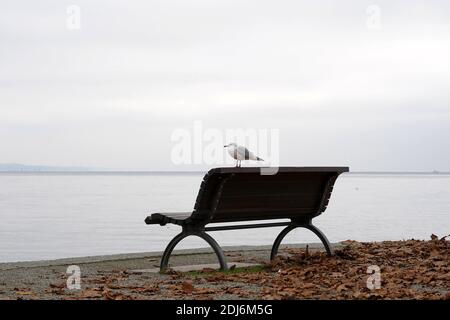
[341,288]
[91,293]
[187,287]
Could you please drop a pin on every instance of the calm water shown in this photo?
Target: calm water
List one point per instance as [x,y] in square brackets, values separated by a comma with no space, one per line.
[46,216]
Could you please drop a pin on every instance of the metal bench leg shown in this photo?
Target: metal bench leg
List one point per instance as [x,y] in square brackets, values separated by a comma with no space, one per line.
[169,249]
[217,249]
[322,238]
[279,238]
[291,227]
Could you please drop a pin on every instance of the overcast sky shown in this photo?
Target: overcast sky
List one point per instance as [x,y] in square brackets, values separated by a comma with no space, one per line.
[358,83]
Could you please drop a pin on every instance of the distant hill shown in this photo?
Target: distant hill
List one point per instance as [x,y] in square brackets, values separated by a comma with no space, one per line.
[17,167]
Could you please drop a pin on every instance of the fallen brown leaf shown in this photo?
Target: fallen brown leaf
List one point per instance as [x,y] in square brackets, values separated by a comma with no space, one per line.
[187,287]
[91,293]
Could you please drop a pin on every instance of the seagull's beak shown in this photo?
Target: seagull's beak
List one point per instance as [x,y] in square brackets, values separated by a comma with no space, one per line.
[225,146]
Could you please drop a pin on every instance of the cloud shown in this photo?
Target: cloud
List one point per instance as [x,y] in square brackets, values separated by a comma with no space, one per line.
[152,67]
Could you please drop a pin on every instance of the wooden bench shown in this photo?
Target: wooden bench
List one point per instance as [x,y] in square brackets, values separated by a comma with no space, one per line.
[247,194]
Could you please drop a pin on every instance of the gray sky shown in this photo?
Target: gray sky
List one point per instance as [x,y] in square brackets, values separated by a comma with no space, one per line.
[340,91]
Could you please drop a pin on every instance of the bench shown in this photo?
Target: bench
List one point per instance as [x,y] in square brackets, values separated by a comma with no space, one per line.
[245,194]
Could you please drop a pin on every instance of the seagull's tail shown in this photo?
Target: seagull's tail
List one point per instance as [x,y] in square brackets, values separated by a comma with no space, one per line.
[259,159]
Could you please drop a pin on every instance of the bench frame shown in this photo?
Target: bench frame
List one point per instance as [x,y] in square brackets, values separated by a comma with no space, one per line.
[198,228]
[201,232]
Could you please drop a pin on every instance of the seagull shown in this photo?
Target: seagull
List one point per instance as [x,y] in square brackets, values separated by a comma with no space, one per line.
[240,153]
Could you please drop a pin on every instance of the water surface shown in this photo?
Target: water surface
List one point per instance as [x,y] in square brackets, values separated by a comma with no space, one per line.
[57,215]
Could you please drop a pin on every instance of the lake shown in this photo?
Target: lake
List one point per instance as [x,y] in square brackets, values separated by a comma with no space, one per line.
[59,215]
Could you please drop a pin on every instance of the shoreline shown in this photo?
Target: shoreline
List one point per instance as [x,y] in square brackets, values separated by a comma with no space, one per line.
[139,172]
[144,255]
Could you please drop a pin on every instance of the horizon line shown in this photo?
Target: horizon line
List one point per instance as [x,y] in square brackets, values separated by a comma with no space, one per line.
[204,171]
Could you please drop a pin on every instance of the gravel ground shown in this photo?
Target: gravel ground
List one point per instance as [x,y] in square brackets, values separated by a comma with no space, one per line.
[47,279]
[411,269]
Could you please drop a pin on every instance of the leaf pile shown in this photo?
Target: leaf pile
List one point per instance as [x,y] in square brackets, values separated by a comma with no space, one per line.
[408,269]
[411,269]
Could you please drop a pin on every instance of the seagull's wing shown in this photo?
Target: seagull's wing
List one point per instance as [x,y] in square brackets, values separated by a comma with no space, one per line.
[232,152]
[244,154]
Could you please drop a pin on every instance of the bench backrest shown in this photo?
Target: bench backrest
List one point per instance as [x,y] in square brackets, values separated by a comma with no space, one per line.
[240,194]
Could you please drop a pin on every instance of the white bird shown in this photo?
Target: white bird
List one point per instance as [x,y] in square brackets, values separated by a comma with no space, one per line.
[240,153]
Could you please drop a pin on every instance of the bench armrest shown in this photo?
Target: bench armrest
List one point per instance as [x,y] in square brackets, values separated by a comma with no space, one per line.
[168,217]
